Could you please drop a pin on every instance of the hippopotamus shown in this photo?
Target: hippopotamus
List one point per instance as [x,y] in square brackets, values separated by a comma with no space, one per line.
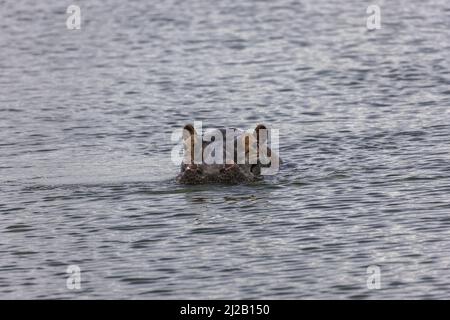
[228,156]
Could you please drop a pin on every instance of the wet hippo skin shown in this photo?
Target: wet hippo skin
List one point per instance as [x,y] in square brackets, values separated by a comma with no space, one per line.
[240,161]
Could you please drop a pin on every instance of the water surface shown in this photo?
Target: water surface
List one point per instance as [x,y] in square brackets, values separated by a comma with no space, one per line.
[86,177]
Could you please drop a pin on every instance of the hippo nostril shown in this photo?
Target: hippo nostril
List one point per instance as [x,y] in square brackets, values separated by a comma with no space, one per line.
[228,167]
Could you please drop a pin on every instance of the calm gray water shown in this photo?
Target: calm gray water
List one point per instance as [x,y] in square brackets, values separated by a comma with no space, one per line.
[86,176]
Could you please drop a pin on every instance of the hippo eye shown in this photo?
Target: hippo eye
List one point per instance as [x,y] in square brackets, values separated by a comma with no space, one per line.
[255,169]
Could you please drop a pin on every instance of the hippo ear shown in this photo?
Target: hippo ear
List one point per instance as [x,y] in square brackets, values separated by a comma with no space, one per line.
[188,131]
[261,134]
[189,138]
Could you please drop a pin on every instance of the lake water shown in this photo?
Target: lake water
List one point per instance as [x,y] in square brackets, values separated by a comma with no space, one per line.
[86,176]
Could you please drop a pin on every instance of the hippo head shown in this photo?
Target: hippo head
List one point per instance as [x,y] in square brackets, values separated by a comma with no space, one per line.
[224,155]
